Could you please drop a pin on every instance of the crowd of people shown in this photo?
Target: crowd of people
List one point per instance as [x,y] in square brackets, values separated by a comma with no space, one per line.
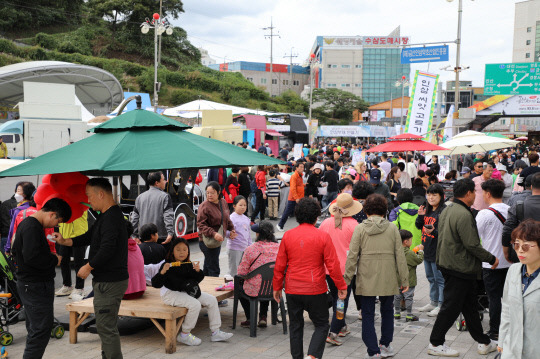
[475,231]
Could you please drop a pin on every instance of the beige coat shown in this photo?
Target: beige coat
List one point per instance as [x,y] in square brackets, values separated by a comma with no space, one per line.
[376,257]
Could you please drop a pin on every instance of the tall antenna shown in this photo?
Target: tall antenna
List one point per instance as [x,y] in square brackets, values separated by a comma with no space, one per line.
[291,56]
[271,37]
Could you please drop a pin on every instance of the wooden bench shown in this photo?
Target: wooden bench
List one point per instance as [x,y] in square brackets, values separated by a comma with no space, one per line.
[149,306]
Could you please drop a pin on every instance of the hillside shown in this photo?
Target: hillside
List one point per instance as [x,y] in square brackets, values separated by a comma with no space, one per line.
[129,56]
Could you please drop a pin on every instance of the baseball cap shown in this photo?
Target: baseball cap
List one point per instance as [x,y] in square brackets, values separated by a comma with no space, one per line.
[375,176]
[465,170]
[501,167]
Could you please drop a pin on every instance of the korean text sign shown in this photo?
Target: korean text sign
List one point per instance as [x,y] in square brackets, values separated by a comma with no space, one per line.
[422,103]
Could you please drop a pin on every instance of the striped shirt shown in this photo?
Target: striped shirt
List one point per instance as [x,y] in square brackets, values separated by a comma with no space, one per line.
[272,187]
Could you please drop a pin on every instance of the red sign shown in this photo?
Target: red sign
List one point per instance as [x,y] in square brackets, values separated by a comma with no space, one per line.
[277,68]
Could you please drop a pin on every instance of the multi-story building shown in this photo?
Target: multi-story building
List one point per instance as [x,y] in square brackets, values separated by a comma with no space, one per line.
[468,95]
[281,79]
[367,66]
[206,60]
[527,32]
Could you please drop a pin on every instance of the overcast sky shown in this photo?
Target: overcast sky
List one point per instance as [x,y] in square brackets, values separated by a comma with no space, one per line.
[233,28]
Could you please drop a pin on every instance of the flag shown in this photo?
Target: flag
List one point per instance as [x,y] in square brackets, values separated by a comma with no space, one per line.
[448,130]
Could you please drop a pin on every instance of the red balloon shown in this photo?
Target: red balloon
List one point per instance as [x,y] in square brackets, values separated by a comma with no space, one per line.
[156,16]
[77,193]
[46,179]
[43,192]
[312,56]
[61,181]
[403,77]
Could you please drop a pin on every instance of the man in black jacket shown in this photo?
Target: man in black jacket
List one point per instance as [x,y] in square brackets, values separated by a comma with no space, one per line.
[107,261]
[36,272]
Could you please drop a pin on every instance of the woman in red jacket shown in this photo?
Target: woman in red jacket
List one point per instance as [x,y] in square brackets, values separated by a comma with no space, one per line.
[307,252]
[231,188]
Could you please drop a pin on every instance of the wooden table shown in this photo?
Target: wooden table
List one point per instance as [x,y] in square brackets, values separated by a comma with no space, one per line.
[149,306]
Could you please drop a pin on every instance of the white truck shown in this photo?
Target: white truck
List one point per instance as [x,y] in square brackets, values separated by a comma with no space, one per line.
[51,117]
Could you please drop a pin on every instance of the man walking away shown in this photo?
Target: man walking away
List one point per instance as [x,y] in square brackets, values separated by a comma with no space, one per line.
[296,193]
[459,257]
[107,261]
[155,206]
[36,272]
[490,224]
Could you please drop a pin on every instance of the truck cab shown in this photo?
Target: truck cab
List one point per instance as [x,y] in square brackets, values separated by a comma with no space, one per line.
[15,145]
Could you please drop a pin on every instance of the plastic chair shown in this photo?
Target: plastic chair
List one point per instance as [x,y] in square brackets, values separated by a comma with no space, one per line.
[265,295]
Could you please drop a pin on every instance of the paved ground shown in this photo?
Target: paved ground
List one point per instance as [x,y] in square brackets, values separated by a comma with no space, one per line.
[410,340]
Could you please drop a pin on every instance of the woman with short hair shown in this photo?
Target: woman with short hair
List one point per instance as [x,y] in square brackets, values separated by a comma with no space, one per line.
[376,257]
[519,331]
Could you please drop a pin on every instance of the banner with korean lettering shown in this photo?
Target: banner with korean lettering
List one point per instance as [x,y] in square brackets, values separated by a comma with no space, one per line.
[420,114]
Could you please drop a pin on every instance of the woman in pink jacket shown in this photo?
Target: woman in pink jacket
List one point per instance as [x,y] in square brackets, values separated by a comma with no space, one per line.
[263,251]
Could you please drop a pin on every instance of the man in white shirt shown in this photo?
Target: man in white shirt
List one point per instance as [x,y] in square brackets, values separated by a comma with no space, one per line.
[490,223]
[384,165]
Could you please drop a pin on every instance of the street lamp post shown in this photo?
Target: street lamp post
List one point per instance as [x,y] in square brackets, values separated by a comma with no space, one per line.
[403,82]
[457,69]
[160,26]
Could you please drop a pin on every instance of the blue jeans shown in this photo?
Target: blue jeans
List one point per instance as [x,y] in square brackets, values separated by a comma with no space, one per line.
[3,243]
[436,283]
[289,210]
[369,336]
[337,324]
[328,198]
[211,260]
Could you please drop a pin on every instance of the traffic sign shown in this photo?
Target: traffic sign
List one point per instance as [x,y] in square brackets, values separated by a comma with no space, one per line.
[512,79]
[414,55]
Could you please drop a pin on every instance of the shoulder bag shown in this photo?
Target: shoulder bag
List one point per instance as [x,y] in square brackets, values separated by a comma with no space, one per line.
[211,242]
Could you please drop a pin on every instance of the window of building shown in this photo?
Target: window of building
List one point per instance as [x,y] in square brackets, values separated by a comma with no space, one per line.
[345,66]
[357,85]
[528,42]
[330,85]
[503,122]
[529,29]
[263,81]
[274,81]
[345,85]
[296,82]
[285,82]
[250,79]
[528,55]
[358,66]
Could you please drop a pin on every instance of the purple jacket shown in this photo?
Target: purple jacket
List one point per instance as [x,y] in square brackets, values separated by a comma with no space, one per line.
[13,214]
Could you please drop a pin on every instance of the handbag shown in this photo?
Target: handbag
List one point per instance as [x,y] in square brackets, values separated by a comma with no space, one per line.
[211,242]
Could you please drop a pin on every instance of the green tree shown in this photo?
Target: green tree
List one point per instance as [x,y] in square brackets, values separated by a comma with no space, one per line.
[338,104]
[17,15]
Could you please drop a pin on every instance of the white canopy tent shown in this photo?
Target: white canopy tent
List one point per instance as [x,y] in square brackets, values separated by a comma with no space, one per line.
[194,109]
[473,141]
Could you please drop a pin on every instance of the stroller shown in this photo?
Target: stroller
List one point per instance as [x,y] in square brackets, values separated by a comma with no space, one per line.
[483,305]
[11,304]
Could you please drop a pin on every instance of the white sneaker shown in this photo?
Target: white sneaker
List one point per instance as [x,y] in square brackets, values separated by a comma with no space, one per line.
[62,292]
[484,349]
[76,294]
[427,308]
[220,336]
[190,340]
[386,352]
[434,312]
[280,229]
[442,351]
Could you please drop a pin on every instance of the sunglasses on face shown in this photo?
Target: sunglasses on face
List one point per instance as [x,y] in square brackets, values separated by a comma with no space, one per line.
[525,246]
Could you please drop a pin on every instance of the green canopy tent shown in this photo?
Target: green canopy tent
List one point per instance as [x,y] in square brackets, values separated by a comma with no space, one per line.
[139,141]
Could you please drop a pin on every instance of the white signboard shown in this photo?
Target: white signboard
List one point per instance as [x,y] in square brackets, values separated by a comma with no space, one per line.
[515,106]
[422,103]
[343,131]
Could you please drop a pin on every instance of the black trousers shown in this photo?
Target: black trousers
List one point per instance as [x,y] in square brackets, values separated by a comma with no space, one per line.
[317,308]
[459,297]
[211,260]
[78,258]
[38,300]
[260,206]
[494,283]
[263,308]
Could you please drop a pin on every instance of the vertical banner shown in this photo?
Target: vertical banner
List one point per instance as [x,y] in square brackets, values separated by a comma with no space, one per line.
[420,114]
[297,151]
[313,127]
[448,127]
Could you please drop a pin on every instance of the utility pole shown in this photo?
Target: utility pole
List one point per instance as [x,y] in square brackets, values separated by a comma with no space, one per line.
[290,56]
[271,37]
[161,17]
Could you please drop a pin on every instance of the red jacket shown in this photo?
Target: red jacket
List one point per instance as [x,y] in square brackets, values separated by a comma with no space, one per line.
[260,180]
[307,252]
